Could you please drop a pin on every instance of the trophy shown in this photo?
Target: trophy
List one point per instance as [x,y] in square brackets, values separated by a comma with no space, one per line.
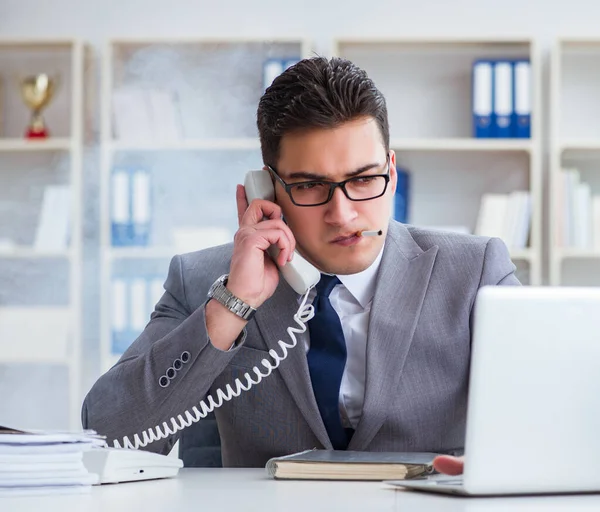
[37,92]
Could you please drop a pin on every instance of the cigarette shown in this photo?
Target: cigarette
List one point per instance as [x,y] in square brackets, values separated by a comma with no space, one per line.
[370,233]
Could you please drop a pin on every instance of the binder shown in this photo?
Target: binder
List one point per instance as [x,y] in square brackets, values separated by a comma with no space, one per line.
[483,94]
[523,99]
[502,126]
[132,303]
[137,305]
[120,208]
[119,314]
[272,68]
[141,206]
[402,196]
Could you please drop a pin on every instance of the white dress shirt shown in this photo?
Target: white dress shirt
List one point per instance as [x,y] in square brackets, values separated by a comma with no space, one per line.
[352,302]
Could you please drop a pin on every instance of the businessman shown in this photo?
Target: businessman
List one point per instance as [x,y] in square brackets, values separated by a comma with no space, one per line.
[383,364]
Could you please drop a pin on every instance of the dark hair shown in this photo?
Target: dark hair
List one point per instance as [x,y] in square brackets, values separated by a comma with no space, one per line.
[317,93]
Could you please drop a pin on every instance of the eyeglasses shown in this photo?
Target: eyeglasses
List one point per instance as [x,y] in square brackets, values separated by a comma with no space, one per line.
[316,193]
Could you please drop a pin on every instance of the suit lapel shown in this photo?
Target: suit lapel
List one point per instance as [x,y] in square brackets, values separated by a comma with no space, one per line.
[273,319]
[401,286]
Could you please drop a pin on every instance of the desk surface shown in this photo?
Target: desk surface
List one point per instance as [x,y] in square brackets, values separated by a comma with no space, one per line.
[251,490]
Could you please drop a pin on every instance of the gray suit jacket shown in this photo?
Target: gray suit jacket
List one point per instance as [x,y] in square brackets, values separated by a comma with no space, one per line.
[418,352]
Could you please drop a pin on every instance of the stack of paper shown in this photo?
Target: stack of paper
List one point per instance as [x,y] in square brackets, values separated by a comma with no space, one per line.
[42,463]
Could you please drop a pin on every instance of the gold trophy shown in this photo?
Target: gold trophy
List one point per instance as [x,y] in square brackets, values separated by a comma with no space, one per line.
[37,92]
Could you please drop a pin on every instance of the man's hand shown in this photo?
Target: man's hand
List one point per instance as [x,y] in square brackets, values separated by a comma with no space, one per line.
[449,465]
[253,276]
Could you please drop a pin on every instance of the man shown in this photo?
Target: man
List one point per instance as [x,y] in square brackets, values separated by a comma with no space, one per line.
[384,363]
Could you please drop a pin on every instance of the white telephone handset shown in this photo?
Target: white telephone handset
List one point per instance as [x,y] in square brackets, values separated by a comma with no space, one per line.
[301,276]
[299,273]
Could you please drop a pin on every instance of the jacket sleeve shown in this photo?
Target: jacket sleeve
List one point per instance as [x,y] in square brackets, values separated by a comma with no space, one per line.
[497,268]
[129,398]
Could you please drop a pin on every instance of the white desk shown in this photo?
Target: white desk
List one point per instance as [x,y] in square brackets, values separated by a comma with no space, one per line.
[250,490]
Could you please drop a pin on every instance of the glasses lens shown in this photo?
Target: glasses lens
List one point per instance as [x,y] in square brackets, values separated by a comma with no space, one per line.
[307,194]
[366,187]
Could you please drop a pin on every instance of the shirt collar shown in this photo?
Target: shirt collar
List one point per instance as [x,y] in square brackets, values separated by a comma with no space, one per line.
[362,284]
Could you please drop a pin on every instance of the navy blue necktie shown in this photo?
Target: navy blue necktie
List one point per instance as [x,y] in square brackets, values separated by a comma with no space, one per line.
[326,360]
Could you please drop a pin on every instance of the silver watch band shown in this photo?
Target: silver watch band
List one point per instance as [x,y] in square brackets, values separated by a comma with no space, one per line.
[221,294]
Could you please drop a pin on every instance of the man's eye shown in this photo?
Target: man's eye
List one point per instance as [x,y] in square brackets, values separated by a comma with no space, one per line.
[365,180]
[308,186]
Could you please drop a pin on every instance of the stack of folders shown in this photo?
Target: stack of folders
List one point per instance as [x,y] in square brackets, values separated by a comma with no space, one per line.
[350,465]
[577,212]
[45,463]
[131,207]
[502,98]
[506,216]
[133,301]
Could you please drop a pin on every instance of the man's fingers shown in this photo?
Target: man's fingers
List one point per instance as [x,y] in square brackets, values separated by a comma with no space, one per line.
[264,238]
[449,465]
[278,224]
[258,210]
[241,201]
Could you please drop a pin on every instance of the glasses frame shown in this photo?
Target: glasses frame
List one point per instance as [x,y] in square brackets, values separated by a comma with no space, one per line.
[333,185]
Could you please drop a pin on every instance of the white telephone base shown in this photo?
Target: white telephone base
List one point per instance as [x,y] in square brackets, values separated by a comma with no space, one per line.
[113,465]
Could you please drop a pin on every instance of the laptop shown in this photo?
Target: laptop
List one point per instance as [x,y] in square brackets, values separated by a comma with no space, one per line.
[533,416]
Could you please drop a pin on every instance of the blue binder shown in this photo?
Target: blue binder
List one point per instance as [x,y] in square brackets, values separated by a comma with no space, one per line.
[272,68]
[120,207]
[522,99]
[121,333]
[482,98]
[402,196]
[502,125]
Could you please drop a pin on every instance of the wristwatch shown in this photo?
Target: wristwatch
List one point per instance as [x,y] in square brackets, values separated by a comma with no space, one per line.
[229,300]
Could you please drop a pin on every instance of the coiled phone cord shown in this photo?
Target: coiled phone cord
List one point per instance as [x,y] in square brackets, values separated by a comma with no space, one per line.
[303,315]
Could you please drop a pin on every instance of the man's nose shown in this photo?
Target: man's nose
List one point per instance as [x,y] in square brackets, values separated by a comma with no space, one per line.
[340,210]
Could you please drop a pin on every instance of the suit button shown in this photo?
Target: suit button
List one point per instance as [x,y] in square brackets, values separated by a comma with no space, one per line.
[185,356]
[163,382]
[177,364]
[171,373]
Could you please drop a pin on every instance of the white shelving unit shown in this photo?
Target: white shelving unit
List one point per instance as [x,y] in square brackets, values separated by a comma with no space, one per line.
[427,85]
[575,144]
[40,281]
[214,86]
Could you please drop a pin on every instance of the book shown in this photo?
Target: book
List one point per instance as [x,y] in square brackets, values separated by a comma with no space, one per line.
[350,465]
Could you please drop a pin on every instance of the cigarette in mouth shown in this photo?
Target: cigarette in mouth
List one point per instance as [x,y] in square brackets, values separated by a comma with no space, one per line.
[370,233]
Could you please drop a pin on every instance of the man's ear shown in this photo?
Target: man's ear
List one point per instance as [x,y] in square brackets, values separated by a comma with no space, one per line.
[393,173]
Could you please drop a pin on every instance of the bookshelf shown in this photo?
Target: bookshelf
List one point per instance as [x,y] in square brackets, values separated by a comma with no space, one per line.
[41,288]
[427,85]
[574,147]
[199,145]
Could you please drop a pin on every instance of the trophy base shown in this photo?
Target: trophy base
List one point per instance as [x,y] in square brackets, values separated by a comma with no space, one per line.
[37,133]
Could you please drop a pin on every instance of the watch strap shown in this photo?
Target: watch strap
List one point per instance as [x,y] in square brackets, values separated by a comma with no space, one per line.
[221,294]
